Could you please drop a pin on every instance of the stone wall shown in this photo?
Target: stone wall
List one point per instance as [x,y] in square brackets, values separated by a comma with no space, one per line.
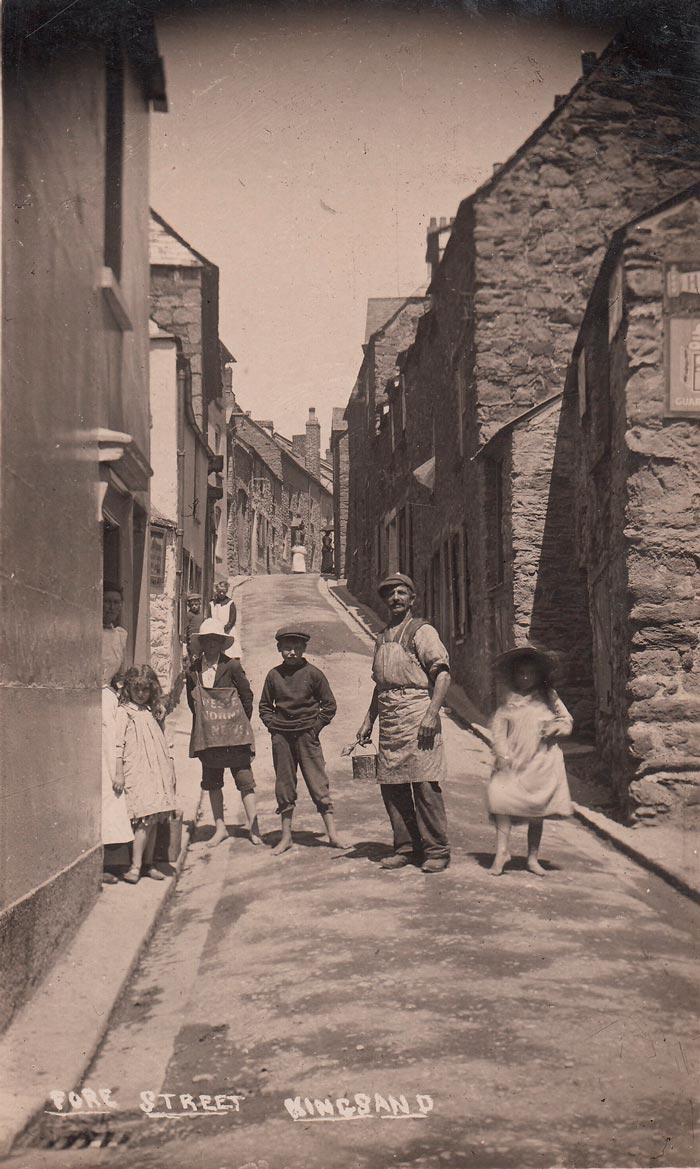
[370,481]
[649,470]
[507,301]
[550,599]
[67,370]
[176,304]
[263,504]
[166,654]
[340,455]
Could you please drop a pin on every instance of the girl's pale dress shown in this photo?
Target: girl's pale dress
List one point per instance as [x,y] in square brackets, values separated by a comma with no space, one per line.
[149,776]
[530,782]
[116,826]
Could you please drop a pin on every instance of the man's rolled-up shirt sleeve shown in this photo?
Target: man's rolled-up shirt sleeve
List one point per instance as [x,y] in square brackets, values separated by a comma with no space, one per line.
[431,653]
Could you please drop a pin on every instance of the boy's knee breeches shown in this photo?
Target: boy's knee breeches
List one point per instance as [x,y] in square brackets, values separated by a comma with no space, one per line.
[299,749]
[213,779]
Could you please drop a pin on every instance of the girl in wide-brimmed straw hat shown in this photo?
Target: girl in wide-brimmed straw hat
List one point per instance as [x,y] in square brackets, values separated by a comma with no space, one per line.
[529,778]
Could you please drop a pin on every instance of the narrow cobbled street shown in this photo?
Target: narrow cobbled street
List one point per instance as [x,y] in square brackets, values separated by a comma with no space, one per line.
[519,1021]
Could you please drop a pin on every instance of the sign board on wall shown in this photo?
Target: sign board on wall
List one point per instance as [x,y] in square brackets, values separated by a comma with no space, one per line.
[682,319]
[684,366]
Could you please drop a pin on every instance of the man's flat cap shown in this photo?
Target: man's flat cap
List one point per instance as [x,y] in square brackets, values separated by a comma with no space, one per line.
[292,631]
[397,578]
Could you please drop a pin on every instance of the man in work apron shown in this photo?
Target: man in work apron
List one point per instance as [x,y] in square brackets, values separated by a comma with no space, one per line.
[411,673]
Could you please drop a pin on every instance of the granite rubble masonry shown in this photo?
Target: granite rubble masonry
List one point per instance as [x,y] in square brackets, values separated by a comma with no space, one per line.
[165,646]
[184,298]
[506,303]
[269,487]
[391,328]
[340,458]
[639,508]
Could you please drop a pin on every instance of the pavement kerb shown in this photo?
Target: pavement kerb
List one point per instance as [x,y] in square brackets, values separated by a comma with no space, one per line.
[604,827]
[616,834]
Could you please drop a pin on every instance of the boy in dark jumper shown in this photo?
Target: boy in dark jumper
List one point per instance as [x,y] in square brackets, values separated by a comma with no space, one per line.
[295,705]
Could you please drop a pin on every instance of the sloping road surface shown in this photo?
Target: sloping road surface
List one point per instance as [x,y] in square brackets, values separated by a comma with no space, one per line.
[461,1020]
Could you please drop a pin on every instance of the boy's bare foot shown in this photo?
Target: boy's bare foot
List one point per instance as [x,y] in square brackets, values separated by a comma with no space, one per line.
[336,842]
[283,846]
[499,863]
[220,835]
[535,867]
[255,839]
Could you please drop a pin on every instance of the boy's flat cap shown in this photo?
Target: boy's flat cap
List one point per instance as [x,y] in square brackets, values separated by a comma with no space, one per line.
[396,578]
[292,631]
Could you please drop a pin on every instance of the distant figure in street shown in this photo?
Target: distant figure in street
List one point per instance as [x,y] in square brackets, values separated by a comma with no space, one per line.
[327,559]
[223,610]
[221,701]
[144,767]
[411,672]
[193,621]
[116,826]
[529,778]
[295,705]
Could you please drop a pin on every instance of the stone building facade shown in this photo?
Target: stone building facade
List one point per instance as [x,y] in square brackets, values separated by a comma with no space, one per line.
[74,444]
[390,328]
[184,301]
[340,457]
[633,400]
[505,304]
[271,490]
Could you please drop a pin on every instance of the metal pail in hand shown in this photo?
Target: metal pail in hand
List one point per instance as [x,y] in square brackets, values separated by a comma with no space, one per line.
[364,766]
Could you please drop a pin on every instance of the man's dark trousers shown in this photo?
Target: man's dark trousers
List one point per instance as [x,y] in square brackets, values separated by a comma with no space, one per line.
[418,818]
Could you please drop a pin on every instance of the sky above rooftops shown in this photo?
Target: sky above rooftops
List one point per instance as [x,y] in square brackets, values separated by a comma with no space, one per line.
[305,152]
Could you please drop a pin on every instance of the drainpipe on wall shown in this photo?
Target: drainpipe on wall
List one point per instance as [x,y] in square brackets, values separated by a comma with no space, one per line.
[180,531]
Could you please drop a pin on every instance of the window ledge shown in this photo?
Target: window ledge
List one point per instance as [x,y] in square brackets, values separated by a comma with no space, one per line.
[114,298]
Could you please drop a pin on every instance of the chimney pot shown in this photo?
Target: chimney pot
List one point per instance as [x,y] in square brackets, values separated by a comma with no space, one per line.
[433,222]
[496,167]
[443,221]
[589,60]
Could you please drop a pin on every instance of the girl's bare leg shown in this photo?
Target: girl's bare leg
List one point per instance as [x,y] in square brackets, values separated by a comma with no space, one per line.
[534,837]
[216,799]
[148,851]
[251,812]
[285,842]
[502,840]
[150,844]
[139,847]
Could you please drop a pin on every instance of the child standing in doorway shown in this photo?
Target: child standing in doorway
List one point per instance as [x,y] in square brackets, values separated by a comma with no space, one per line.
[144,766]
[529,783]
[296,704]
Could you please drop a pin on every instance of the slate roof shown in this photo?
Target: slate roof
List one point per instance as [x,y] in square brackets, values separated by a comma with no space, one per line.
[379,310]
[167,247]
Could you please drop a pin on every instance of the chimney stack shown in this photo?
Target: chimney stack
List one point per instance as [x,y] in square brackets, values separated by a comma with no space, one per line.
[313,444]
[589,61]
